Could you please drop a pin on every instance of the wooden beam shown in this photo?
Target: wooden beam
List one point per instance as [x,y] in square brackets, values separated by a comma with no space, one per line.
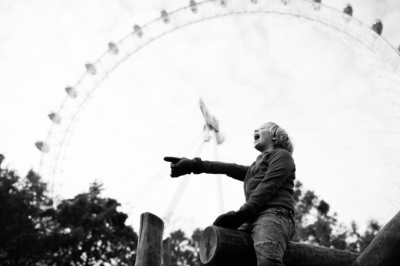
[167,252]
[384,250]
[150,240]
[299,254]
[221,246]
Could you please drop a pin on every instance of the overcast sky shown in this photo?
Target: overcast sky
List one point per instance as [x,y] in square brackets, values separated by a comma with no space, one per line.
[248,69]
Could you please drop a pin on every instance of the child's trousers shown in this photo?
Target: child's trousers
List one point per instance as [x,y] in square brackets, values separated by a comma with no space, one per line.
[271,233]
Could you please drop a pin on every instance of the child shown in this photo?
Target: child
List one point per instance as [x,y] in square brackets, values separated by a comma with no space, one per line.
[268,185]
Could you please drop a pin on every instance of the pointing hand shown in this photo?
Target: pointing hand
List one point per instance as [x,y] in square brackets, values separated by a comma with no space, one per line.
[180,166]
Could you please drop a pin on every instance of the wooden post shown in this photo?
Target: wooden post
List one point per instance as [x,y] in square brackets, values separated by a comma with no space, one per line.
[150,240]
[384,250]
[167,252]
[221,246]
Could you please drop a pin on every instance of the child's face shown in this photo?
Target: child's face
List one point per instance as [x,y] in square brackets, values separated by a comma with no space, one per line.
[263,138]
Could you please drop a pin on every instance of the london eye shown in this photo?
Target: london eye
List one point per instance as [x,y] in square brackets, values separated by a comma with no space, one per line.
[197,81]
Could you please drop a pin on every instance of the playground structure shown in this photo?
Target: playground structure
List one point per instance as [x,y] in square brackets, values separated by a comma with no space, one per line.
[365,39]
[223,247]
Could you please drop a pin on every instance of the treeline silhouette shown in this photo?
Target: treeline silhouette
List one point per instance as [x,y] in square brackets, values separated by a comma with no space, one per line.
[88,229]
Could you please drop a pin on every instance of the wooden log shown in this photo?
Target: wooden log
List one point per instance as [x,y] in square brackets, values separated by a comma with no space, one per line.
[299,254]
[384,250]
[221,246]
[150,240]
[167,252]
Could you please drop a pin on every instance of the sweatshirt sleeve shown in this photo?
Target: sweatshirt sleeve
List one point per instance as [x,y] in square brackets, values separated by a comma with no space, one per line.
[233,170]
[280,166]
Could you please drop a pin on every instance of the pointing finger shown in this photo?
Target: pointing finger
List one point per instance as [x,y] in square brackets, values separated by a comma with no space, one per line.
[172,159]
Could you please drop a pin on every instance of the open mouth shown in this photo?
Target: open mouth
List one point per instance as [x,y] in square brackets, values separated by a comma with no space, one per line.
[256,136]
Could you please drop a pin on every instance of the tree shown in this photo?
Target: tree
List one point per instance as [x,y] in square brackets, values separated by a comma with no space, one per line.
[196,236]
[25,212]
[185,251]
[315,225]
[91,231]
[360,242]
[84,230]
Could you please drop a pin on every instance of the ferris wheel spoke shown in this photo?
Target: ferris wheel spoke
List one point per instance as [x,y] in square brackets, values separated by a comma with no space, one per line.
[296,115]
[332,89]
[337,168]
[363,148]
[164,169]
[173,203]
[356,204]
[311,53]
[329,111]
[328,90]
[348,131]
[341,151]
[184,149]
[151,185]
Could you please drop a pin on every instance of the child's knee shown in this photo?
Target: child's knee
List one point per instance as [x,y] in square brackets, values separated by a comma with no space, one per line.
[268,253]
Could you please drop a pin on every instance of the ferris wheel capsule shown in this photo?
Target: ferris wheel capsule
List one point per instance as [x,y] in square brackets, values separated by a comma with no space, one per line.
[113,48]
[193,6]
[377,26]
[220,138]
[71,92]
[285,2]
[55,118]
[138,31]
[42,146]
[223,2]
[317,4]
[348,10]
[90,68]
[164,16]
[254,1]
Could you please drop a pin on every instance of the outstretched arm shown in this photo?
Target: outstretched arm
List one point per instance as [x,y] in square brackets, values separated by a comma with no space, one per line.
[233,170]
[182,166]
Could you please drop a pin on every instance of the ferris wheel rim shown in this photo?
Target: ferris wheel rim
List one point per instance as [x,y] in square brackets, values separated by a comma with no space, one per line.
[68,131]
